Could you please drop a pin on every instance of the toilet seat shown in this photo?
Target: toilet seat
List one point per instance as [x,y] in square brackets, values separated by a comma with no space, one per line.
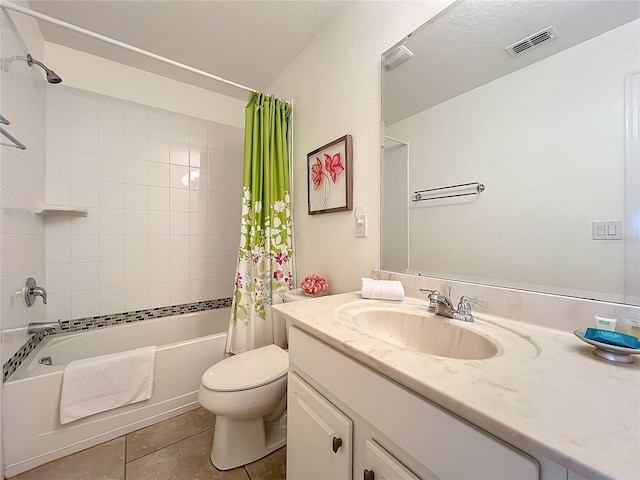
[247,370]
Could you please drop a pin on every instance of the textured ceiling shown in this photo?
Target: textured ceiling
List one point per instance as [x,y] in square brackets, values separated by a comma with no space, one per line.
[247,42]
[464,47]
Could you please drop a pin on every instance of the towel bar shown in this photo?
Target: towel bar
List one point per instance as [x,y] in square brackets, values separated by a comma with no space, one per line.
[419,195]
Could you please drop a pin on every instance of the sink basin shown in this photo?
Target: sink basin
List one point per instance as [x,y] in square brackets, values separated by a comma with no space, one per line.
[412,327]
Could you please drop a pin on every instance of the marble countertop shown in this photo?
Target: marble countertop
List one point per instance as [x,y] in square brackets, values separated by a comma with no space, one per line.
[544,392]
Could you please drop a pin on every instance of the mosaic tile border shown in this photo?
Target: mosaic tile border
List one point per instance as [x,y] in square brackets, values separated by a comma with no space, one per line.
[16,360]
[110,320]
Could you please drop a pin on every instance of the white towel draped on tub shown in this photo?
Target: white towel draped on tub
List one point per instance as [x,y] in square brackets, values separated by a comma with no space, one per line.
[102,383]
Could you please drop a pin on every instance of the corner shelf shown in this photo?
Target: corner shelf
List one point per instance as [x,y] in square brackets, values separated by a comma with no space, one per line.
[61,210]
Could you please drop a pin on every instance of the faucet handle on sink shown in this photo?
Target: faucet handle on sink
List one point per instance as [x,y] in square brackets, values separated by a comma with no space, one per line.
[464,307]
[432,301]
[426,290]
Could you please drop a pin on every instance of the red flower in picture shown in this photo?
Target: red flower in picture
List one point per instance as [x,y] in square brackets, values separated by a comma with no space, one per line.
[278,275]
[333,165]
[316,173]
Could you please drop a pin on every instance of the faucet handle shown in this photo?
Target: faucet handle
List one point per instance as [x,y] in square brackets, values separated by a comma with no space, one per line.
[432,301]
[426,290]
[464,306]
[31,290]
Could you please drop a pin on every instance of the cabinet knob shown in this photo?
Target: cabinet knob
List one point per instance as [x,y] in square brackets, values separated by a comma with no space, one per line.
[336,443]
[369,475]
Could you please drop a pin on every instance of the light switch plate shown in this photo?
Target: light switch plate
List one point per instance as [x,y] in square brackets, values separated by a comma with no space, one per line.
[607,230]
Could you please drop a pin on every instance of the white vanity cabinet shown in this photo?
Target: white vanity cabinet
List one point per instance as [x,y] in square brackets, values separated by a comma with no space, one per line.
[396,434]
[318,435]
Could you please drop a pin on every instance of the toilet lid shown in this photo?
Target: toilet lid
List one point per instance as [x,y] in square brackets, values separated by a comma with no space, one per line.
[247,370]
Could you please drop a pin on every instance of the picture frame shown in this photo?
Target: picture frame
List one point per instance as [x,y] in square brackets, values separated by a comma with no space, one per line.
[330,177]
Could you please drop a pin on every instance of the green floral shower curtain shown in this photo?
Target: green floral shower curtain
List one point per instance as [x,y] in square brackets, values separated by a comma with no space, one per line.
[264,271]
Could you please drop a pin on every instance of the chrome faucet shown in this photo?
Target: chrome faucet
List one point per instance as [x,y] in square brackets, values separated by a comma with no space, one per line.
[441,305]
[31,291]
[38,327]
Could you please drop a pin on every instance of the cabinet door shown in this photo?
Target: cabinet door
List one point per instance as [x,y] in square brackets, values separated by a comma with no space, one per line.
[319,436]
[381,465]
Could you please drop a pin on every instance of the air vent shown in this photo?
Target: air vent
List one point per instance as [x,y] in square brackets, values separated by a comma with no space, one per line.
[531,41]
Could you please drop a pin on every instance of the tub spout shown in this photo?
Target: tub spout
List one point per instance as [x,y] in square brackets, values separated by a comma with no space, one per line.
[44,327]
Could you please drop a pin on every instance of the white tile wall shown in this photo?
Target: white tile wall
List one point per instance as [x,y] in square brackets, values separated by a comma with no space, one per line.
[22,179]
[163,192]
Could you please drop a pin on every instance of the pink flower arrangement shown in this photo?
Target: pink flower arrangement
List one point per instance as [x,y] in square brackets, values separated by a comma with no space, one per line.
[314,284]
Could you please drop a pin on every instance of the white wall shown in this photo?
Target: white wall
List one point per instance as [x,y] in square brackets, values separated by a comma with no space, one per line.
[99,75]
[335,84]
[23,251]
[548,143]
[22,94]
[164,198]
[172,268]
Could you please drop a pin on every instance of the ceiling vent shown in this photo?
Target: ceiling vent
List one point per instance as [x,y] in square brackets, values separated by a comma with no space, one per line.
[531,41]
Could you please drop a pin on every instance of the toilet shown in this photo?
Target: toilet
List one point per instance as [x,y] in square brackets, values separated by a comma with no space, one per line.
[247,393]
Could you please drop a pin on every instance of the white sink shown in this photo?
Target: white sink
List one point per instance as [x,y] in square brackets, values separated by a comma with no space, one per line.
[412,327]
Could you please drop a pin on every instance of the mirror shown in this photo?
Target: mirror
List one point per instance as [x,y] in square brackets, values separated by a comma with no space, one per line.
[549,127]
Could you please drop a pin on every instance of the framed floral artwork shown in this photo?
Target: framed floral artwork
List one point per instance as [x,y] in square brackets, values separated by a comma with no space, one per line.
[330,177]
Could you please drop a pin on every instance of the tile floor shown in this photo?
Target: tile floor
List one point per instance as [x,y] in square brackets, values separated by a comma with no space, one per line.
[176,449]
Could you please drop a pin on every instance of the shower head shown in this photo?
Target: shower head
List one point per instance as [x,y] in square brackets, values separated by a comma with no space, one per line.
[52,77]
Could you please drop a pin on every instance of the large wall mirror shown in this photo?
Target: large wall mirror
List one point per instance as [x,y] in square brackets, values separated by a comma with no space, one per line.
[537,101]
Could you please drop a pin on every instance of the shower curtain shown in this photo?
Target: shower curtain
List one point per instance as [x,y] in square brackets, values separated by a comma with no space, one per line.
[264,269]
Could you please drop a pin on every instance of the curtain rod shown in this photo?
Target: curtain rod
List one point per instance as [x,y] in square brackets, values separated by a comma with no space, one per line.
[12,6]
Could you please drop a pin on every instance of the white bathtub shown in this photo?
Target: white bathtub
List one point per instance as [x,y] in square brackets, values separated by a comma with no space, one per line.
[186,346]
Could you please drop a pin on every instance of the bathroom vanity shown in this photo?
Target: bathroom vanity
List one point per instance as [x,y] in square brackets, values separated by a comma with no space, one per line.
[363,406]
[348,413]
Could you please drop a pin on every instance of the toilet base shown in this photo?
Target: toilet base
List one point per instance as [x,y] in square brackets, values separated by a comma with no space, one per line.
[237,442]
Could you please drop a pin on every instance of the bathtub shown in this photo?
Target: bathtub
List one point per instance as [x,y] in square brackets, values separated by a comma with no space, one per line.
[186,346]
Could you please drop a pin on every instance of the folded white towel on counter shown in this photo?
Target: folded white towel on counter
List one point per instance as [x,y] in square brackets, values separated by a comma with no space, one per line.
[97,384]
[382,289]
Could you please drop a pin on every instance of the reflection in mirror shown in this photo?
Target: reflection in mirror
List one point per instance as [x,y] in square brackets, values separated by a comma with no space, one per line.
[541,126]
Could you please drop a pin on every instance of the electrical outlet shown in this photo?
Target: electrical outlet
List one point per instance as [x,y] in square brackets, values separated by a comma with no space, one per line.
[361,226]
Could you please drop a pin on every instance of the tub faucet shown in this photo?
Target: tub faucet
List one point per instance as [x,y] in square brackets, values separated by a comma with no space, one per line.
[441,305]
[38,327]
